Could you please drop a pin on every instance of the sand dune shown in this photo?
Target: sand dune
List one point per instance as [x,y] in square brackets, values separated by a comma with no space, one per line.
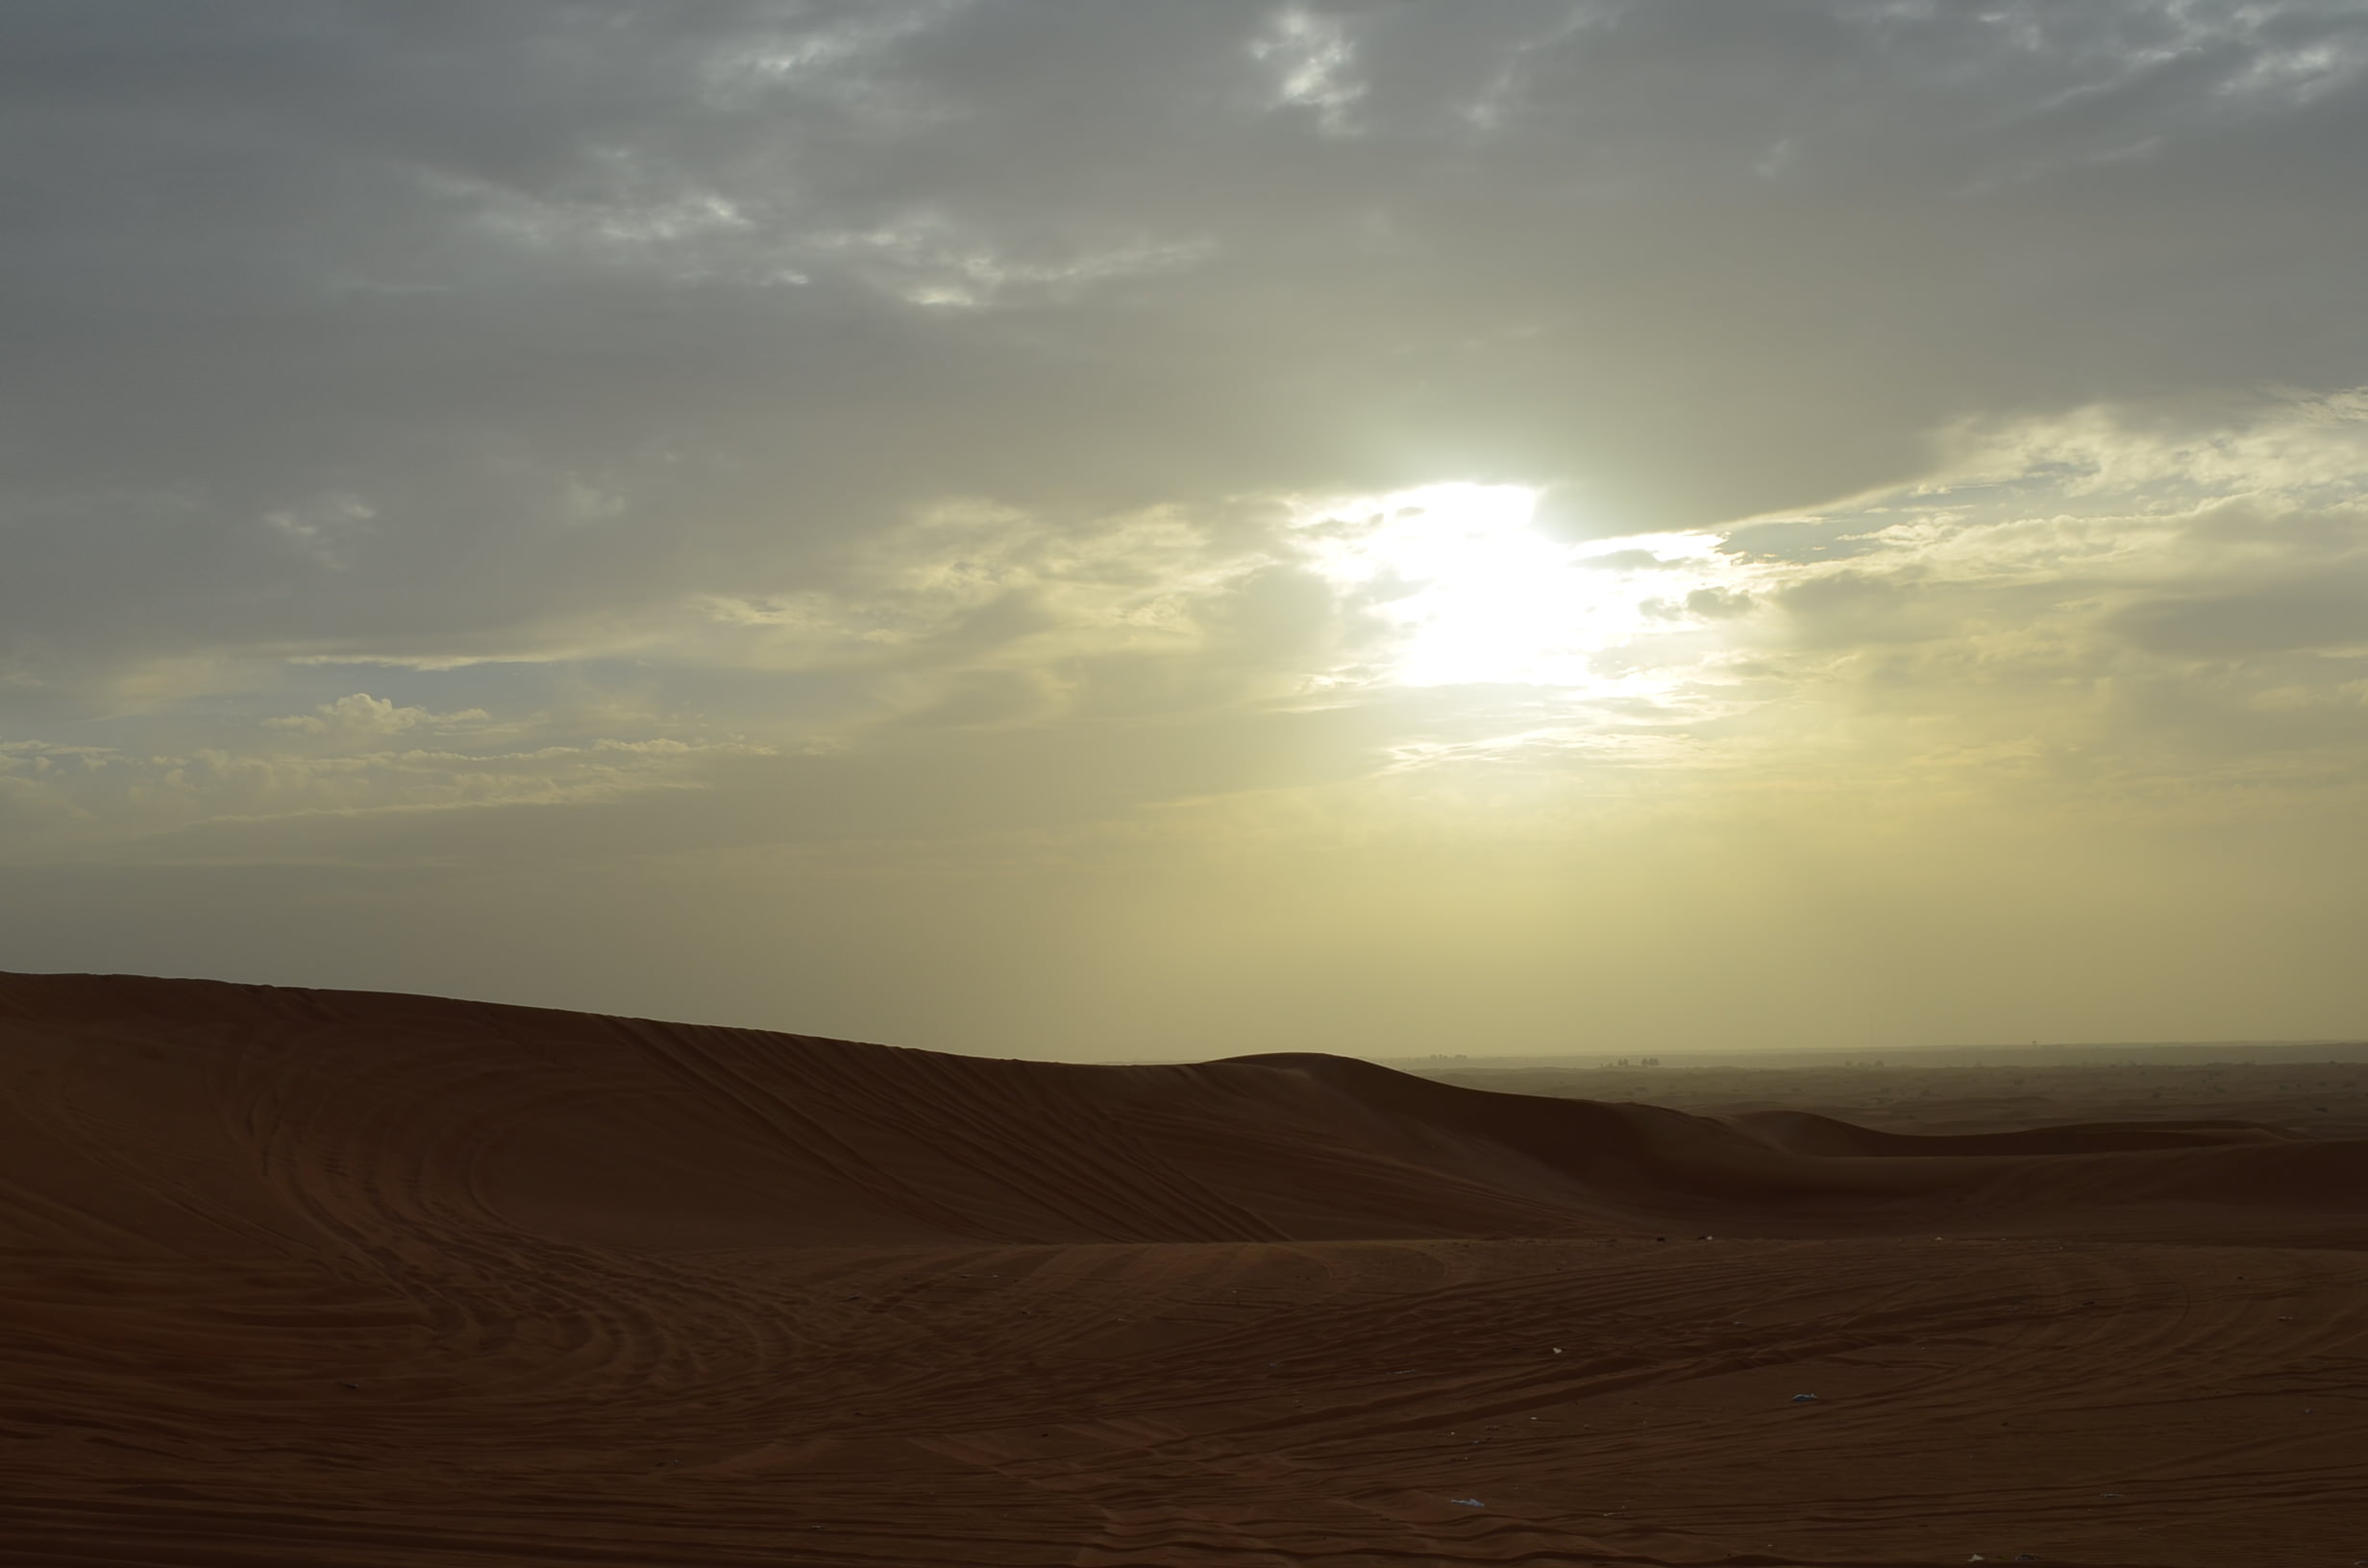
[304,1276]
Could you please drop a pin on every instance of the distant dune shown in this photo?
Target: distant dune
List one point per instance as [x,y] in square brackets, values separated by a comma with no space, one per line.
[304,1277]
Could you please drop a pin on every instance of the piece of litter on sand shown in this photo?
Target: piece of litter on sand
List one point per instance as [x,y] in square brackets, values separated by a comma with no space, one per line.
[1802,1399]
[1468,1502]
[1558,1350]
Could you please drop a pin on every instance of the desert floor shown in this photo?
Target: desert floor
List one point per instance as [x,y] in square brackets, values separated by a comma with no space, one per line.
[319,1278]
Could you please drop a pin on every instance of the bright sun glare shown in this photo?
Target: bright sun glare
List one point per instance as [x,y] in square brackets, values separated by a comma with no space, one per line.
[1480,594]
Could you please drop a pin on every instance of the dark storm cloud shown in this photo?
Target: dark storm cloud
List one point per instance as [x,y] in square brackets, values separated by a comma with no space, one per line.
[425,329]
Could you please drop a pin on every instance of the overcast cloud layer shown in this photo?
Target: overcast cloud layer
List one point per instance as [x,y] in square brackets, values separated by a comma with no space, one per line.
[1179,527]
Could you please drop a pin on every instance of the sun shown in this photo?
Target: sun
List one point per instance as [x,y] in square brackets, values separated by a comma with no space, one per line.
[1472,591]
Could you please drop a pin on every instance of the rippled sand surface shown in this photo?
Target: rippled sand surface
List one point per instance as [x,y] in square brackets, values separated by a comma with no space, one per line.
[322,1278]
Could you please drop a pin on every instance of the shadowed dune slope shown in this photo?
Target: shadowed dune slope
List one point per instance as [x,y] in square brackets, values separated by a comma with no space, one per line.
[194,1118]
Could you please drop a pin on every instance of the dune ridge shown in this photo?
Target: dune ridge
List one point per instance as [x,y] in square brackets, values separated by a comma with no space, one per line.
[304,1276]
[253,1112]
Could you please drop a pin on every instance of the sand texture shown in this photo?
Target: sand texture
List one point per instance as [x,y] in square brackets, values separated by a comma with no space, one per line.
[334,1278]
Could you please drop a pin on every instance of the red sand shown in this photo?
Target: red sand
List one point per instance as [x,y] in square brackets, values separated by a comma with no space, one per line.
[331,1277]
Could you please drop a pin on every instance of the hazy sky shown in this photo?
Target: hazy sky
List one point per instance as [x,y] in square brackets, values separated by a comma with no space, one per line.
[1177,527]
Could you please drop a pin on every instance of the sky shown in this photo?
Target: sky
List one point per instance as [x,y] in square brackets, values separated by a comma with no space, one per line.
[1185,528]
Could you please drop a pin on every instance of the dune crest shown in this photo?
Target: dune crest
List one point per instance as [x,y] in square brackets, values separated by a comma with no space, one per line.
[196,1117]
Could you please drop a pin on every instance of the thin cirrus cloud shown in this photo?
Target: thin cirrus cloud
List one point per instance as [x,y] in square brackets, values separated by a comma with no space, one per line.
[946,448]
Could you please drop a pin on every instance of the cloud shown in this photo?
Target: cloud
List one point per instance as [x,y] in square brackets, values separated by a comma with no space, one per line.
[2127,604]
[327,331]
[70,801]
[2057,612]
[2286,617]
[361,714]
